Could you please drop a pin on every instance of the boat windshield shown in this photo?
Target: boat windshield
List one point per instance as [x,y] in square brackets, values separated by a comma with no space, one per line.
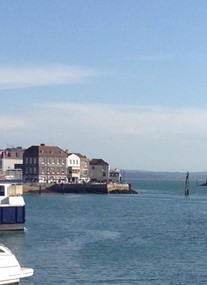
[4,249]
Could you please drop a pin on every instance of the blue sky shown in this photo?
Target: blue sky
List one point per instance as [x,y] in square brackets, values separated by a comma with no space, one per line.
[120,80]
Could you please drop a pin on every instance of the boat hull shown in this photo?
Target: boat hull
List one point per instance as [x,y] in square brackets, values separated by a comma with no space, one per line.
[10,270]
[10,282]
[24,272]
[12,227]
[12,218]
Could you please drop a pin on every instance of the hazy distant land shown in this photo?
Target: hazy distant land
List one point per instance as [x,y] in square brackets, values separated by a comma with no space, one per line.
[141,174]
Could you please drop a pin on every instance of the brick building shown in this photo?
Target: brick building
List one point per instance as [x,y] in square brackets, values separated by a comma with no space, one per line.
[45,164]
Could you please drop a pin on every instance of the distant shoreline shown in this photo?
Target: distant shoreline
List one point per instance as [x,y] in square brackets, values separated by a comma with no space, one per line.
[153,175]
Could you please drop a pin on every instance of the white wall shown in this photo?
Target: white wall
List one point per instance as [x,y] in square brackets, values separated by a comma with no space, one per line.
[8,163]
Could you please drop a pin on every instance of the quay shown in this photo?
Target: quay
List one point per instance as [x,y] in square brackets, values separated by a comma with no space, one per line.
[88,188]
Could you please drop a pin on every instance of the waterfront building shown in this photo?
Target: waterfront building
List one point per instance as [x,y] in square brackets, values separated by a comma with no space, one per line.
[115,175]
[11,163]
[77,168]
[98,170]
[45,164]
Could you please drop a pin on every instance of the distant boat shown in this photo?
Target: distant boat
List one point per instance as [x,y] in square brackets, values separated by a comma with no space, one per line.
[187,189]
[10,270]
[12,206]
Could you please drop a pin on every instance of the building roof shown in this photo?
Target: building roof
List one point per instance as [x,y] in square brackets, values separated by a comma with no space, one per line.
[45,150]
[98,161]
[78,154]
[12,153]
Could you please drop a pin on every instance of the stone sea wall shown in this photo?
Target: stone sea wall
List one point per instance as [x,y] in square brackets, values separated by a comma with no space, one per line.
[119,187]
[89,188]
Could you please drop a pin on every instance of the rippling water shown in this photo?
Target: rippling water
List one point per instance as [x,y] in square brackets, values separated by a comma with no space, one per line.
[156,237]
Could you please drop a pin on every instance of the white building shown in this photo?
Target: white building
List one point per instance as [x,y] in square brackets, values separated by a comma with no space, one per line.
[115,175]
[11,162]
[77,168]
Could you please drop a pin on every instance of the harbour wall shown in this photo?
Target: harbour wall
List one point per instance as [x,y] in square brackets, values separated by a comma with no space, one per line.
[89,188]
[119,187]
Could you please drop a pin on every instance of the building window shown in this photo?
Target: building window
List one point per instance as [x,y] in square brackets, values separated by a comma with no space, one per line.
[1,190]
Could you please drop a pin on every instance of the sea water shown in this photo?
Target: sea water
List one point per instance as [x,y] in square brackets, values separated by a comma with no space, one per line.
[156,237]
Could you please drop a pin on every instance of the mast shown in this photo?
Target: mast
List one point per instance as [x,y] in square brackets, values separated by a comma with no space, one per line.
[187,189]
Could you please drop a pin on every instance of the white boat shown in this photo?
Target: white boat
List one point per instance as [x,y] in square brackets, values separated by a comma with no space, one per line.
[12,206]
[10,270]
